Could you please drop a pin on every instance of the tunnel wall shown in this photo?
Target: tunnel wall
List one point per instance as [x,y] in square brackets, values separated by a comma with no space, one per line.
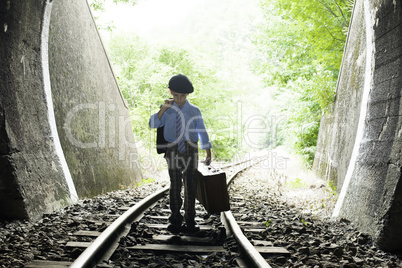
[64,126]
[338,130]
[92,116]
[369,181]
[33,175]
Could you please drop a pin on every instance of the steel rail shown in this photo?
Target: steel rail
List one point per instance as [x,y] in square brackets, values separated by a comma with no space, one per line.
[253,255]
[91,255]
[253,158]
[238,163]
[229,181]
[234,164]
[227,217]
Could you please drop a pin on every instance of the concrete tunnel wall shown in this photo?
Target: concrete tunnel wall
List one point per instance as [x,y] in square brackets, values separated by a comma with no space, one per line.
[33,179]
[92,116]
[360,144]
[43,166]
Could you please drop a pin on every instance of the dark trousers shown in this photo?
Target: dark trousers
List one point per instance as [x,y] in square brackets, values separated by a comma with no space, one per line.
[182,170]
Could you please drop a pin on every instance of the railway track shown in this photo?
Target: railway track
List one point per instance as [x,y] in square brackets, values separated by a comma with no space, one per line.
[139,236]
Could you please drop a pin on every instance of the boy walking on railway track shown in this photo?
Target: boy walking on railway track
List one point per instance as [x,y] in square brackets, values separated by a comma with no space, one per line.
[183,127]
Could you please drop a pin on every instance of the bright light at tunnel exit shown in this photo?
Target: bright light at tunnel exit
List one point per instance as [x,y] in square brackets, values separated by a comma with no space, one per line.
[150,14]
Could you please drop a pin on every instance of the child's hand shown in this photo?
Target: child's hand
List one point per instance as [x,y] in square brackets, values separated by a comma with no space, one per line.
[168,103]
[208,158]
[207,161]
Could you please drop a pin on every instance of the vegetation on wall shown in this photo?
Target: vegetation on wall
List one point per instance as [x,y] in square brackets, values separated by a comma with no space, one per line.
[303,45]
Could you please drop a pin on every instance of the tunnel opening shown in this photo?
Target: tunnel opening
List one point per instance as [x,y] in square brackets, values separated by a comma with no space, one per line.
[97,122]
[151,41]
[229,45]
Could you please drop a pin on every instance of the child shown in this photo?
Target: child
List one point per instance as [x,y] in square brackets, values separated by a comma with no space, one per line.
[183,127]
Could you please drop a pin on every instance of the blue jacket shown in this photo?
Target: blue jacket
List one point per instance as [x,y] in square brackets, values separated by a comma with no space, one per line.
[194,124]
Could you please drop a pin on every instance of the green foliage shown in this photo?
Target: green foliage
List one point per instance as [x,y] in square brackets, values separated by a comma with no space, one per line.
[297,183]
[304,101]
[332,187]
[99,5]
[299,35]
[143,72]
[303,44]
[98,8]
[144,182]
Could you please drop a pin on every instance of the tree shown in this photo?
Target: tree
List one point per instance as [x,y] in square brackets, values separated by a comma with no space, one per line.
[303,44]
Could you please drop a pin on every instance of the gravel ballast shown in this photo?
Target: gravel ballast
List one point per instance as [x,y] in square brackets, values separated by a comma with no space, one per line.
[294,205]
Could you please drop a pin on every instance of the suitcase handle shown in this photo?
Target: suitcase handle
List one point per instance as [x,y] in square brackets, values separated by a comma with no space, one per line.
[212,169]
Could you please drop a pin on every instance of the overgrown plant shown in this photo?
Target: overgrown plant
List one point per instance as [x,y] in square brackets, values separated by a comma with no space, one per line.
[297,183]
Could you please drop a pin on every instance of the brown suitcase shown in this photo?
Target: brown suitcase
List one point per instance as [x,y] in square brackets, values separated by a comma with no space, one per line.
[212,189]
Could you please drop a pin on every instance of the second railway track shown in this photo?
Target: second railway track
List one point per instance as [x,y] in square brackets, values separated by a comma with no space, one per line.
[138,238]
